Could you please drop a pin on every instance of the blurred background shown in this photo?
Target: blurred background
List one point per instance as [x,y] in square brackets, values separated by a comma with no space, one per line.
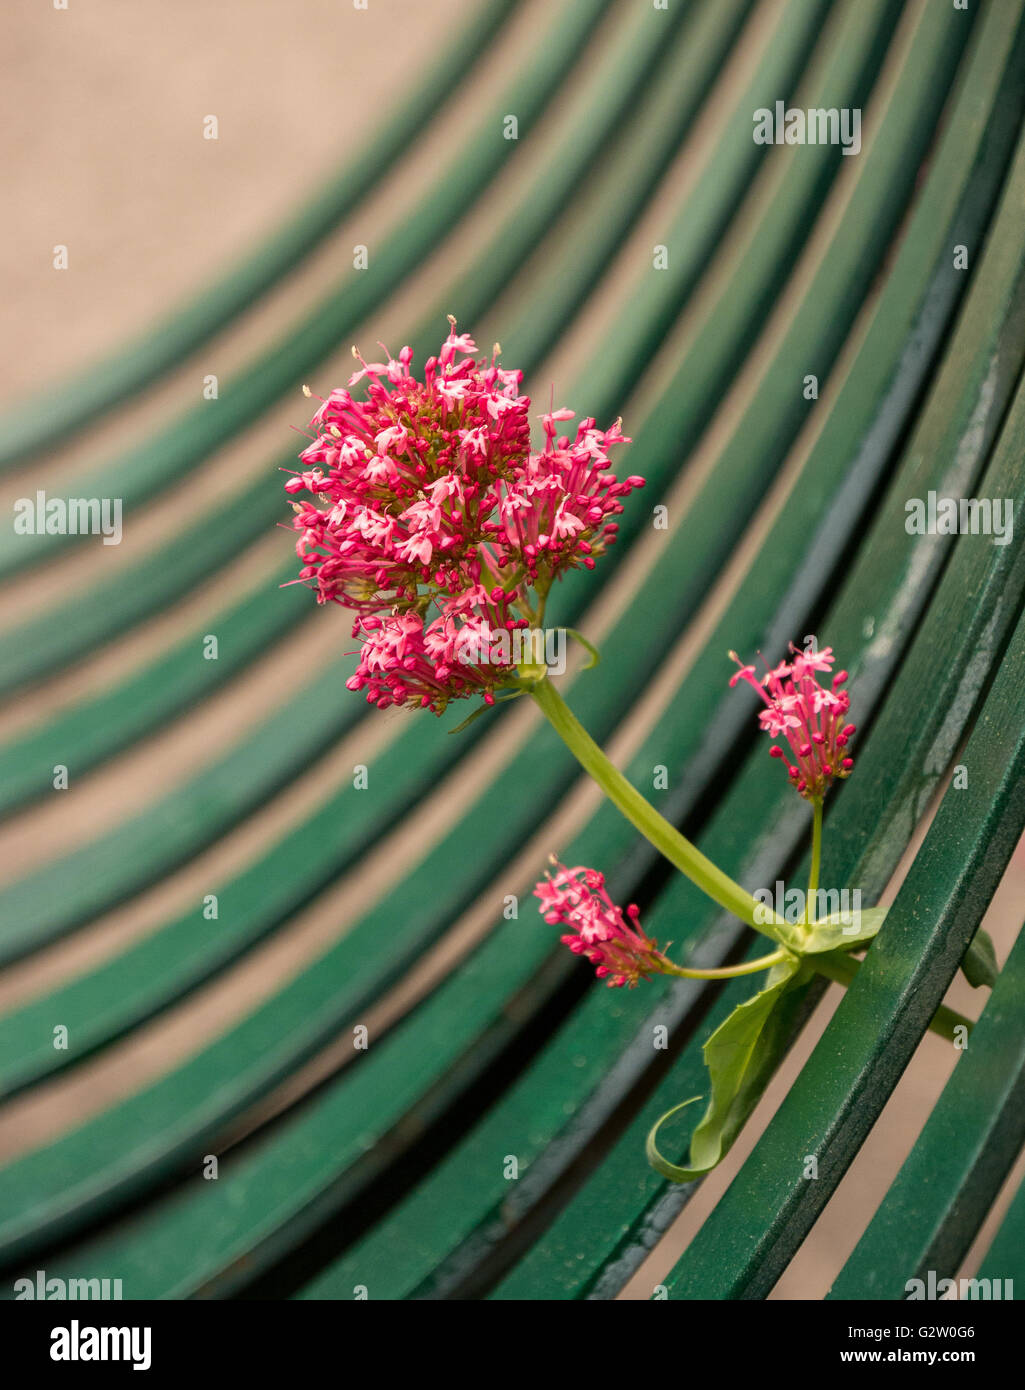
[106,108]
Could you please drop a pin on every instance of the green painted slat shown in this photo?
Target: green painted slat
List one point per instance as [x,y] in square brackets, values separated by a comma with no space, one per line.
[108,609]
[52,900]
[432,1242]
[702,217]
[744,471]
[168,457]
[104,612]
[93,729]
[1005,1258]
[618,1214]
[812,344]
[37,424]
[450,1235]
[103,1014]
[166,963]
[933,1211]
[627,176]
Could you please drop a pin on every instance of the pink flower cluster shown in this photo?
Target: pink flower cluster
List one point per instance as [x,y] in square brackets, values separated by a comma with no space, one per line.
[433,519]
[576,898]
[808,717]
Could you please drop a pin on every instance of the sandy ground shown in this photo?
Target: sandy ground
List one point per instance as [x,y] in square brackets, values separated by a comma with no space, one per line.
[103,108]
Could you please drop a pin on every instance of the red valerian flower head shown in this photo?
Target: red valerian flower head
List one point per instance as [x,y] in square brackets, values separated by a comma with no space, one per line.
[811,719]
[576,898]
[433,520]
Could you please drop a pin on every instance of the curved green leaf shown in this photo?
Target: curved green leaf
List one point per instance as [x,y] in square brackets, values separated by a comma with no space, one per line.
[979,966]
[741,1055]
[595,654]
[839,931]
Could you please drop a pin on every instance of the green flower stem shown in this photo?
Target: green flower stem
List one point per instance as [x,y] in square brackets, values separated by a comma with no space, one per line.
[816,858]
[729,972]
[640,813]
[838,966]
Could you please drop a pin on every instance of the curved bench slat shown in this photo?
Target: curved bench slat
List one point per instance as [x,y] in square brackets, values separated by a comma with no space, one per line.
[1004,1258]
[947,1184]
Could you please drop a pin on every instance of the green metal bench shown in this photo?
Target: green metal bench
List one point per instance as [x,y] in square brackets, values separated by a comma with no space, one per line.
[383,1169]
